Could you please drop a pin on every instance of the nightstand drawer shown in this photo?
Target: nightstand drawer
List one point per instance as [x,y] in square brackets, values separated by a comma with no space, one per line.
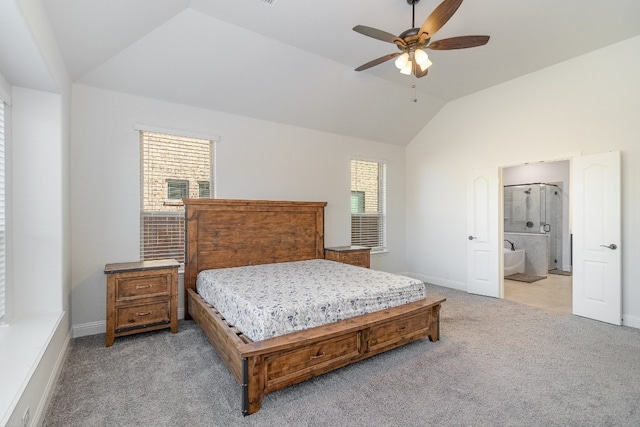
[141,296]
[143,286]
[359,258]
[144,314]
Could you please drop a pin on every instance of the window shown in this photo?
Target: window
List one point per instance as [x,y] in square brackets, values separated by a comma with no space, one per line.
[172,168]
[357,201]
[368,204]
[2,215]
[177,190]
[203,190]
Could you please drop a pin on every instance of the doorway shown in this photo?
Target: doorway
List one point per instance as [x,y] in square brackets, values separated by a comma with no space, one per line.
[536,201]
[595,243]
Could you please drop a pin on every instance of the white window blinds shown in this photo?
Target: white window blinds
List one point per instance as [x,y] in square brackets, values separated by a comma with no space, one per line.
[2,215]
[368,204]
[172,167]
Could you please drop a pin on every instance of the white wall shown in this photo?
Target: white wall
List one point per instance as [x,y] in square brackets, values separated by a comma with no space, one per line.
[38,248]
[37,202]
[587,105]
[254,160]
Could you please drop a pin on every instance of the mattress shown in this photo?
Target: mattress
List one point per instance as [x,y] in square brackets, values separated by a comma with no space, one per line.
[264,301]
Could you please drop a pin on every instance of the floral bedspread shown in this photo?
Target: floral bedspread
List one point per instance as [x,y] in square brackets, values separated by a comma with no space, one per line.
[268,300]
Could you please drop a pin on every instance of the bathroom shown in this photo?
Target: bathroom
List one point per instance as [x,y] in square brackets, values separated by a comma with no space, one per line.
[536,219]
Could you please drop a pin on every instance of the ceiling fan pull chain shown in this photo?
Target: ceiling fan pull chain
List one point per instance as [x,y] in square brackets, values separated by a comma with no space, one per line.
[414,86]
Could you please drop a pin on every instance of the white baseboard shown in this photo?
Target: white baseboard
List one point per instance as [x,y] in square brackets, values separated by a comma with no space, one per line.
[100,327]
[627,319]
[91,328]
[447,283]
[631,321]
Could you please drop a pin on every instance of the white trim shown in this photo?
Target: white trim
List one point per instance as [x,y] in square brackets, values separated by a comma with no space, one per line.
[631,321]
[174,132]
[628,320]
[447,283]
[5,90]
[90,328]
[368,159]
[3,212]
[100,327]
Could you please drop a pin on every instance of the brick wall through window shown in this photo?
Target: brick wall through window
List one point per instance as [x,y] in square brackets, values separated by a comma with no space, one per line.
[172,168]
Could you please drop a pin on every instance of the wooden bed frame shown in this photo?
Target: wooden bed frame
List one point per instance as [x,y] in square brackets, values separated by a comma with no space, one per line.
[231,233]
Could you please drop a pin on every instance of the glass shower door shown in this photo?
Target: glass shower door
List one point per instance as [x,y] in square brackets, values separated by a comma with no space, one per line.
[551,223]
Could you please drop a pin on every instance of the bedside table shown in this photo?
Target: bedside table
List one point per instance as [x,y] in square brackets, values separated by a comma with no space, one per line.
[141,296]
[354,255]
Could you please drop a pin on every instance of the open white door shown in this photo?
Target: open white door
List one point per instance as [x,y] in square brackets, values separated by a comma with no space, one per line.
[596,237]
[484,266]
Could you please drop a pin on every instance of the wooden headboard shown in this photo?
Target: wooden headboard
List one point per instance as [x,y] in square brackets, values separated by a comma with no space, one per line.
[232,233]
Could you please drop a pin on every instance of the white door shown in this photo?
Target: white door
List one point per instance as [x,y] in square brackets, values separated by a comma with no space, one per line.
[596,237]
[484,256]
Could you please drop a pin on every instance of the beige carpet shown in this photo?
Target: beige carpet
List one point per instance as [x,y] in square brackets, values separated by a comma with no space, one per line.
[524,277]
[498,363]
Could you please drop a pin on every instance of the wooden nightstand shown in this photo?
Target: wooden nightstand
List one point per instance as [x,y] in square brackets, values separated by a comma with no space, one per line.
[141,296]
[354,255]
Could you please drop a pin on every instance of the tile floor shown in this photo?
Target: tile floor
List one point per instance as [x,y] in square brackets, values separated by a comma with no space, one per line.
[553,293]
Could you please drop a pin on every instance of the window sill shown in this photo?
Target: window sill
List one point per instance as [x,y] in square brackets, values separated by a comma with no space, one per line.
[23,343]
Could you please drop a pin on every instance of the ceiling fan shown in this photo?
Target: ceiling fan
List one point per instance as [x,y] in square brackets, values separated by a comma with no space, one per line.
[412,59]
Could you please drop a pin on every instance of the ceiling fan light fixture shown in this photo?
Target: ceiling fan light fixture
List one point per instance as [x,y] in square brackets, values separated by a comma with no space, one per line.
[421,56]
[425,65]
[402,60]
[422,59]
[412,58]
[407,68]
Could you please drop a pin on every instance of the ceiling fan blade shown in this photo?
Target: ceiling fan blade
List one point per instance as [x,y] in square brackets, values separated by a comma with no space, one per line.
[378,61]
[377,34]
[439,17]
[461,42]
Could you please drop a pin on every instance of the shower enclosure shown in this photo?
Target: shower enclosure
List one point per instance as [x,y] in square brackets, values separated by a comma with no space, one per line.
[536,209]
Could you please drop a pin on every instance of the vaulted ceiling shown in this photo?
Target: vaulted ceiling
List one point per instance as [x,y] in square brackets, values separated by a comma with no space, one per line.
[292,61]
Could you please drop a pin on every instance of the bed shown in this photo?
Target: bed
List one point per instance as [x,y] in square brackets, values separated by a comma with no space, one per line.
[236,233]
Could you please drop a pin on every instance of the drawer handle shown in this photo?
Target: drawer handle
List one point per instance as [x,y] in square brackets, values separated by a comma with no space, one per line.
[317,356]
[142,286]
[144,313]
[401,329]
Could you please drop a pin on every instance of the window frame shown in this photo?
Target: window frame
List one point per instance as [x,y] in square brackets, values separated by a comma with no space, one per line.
[200,187]
[162,227]
[364,220]
[3,216]
[184,192]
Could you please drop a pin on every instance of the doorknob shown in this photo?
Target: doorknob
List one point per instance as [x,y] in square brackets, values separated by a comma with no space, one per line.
[612,246]
[472,237]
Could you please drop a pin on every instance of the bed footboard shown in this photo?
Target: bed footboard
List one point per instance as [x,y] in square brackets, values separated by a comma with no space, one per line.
[263,367]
